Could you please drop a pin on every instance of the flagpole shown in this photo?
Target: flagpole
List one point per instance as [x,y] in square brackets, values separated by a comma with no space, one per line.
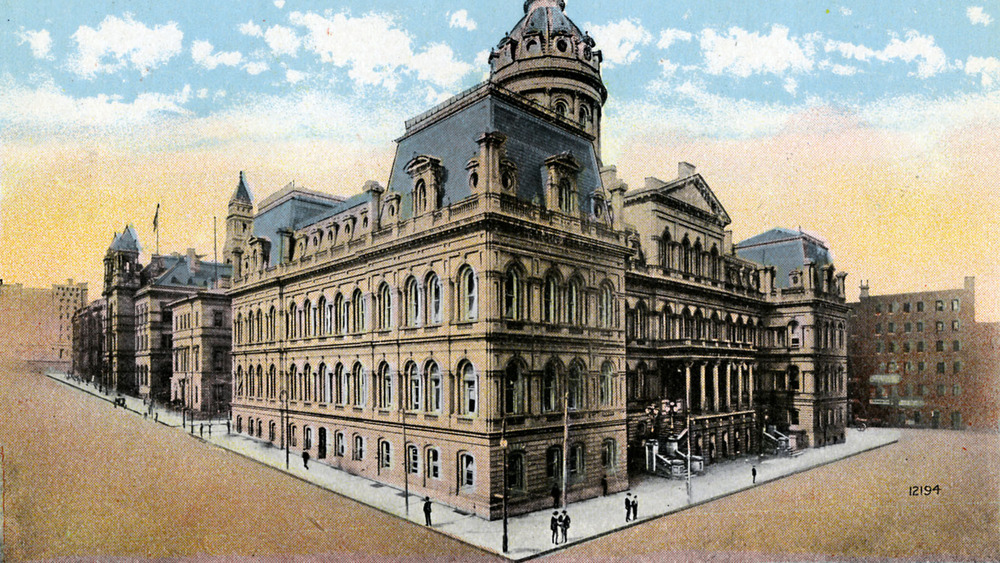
[215,248]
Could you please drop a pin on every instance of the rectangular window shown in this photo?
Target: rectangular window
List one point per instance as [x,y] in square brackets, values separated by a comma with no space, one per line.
[906,346]
[892,327]
[920,306]
[921,366]
[906,307]
[940,390]
[920,326]
[878,328]
[939,326]
[939,305]
[956,389]
[920,346]
[954,304]
[217,318]
[939,345]
[957,367]
[892,347]
[878,347]
[956,345]
[955,325]
[878,308]
[940,367]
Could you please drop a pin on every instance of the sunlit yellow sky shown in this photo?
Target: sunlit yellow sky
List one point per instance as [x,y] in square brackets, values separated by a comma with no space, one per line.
[900,179]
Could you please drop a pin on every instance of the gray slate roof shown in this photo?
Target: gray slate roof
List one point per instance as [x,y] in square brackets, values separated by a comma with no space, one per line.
[786,250]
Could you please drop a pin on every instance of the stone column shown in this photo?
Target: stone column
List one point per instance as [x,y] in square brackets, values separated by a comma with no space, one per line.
[750,367]
[729,385]
[701,401]
[739,386]
[687,386]
[715,386]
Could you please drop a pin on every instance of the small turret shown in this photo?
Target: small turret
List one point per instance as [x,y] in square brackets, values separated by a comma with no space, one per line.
[239,220]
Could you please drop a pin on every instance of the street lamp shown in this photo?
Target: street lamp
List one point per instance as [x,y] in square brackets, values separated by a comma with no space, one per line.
[283,398]
[503,446]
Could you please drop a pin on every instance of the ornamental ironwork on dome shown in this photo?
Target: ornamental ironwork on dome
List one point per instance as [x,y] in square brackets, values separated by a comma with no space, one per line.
[548,59]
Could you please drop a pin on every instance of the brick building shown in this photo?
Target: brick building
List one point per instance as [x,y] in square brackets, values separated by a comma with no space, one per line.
[38,323]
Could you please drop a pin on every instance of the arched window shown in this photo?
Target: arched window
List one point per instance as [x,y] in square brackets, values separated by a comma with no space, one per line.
[238,337]
[419,197]
[412,459]
[565,196]
[550,298]
[515,471]
[239,424]
[468,294]
[470,388]
[434,298]
[271,321]
[338,307]
[325,384]
[467,470]
[553,463]
[321,444]
[308,311]
[433,386]
[271,431]
[307,438]
[359,385]
[433,463]
[342,384]
[384,307]
[573,308]
[574,397]
[345,315]
[561,108]
[415,386]
[239,381]
[609,454]
[605,307]
[292,439]
[577,464]
[260,325]
[384,454]
[292,395]
[307,390]
[550,380]
[385,386]
[339,447]
[411,296]
[260,382]
[324,317]
[272,381]
[512,295]
[604,389]
[360,312]
[359,448]
[514,388]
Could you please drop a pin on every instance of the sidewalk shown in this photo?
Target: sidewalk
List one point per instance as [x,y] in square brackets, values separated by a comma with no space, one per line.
[529,534]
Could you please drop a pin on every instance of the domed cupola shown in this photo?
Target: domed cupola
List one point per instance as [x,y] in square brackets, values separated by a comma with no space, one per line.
[547,59]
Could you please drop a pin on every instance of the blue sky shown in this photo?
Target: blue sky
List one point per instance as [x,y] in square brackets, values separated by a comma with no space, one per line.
[875,124]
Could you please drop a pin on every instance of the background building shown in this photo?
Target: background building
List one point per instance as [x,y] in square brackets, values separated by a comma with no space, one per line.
[38,323]
[920,359]
[202,342]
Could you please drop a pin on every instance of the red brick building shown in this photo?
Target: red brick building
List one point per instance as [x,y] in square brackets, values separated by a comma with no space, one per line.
[921,360]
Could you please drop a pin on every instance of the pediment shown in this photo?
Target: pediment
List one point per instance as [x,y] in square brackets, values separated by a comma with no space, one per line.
[694,192]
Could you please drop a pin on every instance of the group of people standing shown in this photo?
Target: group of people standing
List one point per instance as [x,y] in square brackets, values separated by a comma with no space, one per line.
[560,527]
[631,507]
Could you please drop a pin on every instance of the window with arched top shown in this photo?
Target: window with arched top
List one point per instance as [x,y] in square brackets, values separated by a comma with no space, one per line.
[604,387]
[338,307]
[574,308]
[384,454]
[565,196]
[360,319]
[412,459]
[561,108]
[420,196]
[514,384]
[468,294]
[359,385]
[359,447]
[343,386]
[384,307]
[414,386]
[605,306]
[434,299]
[339,444]
[550,299]
[470,388]
[411,298]
[574,391]
[467,470]
[512,294]
[550,387]
[433,463]
[384,386]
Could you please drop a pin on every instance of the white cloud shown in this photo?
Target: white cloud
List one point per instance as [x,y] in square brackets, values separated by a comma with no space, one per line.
[294,76]
[791,85]
[47,106]
[849,50]
[921,48]
[345,41]
[252,29]
[977,16]
[461,19]
[845,11]
[40,42]
[988,69]
[282,40]
[670,36]
[482,58]
[201,53]
[742,53]
[202,93]
[254,68]
[437,64]
[843,70]
[279,4]
[618,41]
[668,68]
[119,43]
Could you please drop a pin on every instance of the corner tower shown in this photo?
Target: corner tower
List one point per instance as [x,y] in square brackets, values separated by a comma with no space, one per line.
[239,221]
[547,59]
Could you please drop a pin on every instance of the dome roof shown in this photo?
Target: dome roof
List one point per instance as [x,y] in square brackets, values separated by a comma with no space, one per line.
[546,18]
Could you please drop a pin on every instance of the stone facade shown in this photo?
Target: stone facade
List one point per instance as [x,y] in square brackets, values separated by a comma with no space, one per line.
[202,341]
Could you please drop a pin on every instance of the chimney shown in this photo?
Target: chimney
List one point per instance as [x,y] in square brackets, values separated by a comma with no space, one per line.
[685,170]
[727,242]
[614,184]
[970,284]
[864,291]
[192,260]
[375,203]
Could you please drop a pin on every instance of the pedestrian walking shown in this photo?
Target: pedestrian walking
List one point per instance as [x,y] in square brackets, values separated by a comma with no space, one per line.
[635,507]
[753,473]
[209,429]
[201,429]
[628,507]
[227,426]
[604,485]
[305,459]
[427,511]
[156,416]
[564,525]
[554,524]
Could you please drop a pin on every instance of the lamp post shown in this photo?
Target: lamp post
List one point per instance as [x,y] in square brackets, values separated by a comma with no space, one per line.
[283,398]
[503,446]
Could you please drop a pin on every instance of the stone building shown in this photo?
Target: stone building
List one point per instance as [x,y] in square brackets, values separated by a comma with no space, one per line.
[506,288]
[202,342]
[38,323]
[88,342]
[921,360]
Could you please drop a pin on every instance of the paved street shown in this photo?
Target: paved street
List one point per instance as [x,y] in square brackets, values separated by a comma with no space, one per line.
[84,478]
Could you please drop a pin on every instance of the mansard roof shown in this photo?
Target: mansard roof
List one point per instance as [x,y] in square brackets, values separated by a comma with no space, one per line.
[449,133]
[177,270]
[786,250]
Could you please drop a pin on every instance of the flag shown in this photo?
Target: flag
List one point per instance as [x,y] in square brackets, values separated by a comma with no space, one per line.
[156,218]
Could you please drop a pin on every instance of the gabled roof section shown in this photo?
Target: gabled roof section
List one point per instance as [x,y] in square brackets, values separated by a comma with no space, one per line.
[242,193]
[127,241]
[178,271]
[690,193]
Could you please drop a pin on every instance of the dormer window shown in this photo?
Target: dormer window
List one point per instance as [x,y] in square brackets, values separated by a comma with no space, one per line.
[565,196]
[561,108]
[420,197]
[562,45]
[426,172]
